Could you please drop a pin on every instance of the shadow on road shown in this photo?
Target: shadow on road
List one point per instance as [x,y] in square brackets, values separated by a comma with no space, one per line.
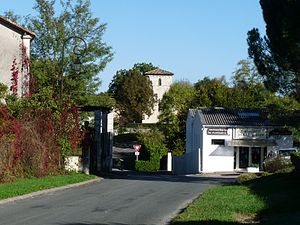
[208,222]
[166,177]
[97,224]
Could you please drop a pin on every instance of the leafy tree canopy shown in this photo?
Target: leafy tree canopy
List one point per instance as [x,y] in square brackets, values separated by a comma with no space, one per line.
[246,74]
[277,55]
[133,93]
[53,49]
[102,99]
[120,74]
[211,92]
[174,106]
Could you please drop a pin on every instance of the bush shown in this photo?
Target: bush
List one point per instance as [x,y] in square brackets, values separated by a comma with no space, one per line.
[35,135]
[148,166]
[153,143]
[246,177]
[275,164]
[295,158]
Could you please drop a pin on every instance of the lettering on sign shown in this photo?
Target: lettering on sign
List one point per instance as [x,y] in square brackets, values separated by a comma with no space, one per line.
[250,133]
[217,131]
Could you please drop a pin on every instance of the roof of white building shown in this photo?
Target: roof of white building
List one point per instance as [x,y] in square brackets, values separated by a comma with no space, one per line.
[159,71]
[233,117]
[13,26]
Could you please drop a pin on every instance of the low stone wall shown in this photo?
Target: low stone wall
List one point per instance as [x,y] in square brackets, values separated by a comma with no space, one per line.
[73,163]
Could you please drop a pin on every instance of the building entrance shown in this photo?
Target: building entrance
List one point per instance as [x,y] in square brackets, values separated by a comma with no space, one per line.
[249,156]
[243,157]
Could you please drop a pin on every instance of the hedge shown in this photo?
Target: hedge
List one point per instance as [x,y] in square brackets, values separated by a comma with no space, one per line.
[295,158]
[147,166]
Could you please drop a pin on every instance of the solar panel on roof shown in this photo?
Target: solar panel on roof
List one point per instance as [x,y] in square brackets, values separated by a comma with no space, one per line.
[254,114]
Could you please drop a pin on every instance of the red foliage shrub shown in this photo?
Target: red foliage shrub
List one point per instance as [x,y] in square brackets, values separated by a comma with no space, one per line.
[15,76]
[25,71]
[30,145]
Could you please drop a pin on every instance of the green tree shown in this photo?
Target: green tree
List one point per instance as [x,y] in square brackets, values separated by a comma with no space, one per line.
[174,107]
[12,16]
[101,99]
[134,97]
[211,92]
[133,93]
[248,90]
[246,74]
[277,55]
[117,80]
[153,143]
[54,30]
[143,67]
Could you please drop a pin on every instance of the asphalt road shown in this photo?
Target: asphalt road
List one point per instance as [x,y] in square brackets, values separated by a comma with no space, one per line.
[118,200]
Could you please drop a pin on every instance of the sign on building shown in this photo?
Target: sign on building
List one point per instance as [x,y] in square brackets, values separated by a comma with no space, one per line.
[217,131]
[249,133]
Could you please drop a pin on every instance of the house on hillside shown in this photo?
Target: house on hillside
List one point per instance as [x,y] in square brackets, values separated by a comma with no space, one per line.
[14,56]
[161,82]
[219,140]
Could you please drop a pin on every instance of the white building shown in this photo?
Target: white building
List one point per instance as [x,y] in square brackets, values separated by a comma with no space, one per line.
[161,82]
[220,140]
[14,51]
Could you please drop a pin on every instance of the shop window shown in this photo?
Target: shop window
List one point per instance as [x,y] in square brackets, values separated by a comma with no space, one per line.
[218,142]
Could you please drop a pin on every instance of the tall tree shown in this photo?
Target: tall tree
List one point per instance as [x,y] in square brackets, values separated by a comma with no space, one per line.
[134,97]
[174,107]
[133,92]
[53,49]
[248,90]
[246,74]
[211,92]
[277,55]
[120,74]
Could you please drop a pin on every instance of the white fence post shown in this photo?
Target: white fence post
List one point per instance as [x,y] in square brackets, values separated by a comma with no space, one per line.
[169,167]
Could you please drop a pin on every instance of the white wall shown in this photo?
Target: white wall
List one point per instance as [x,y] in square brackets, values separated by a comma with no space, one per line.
[10,49]
[217,158]
[189,131]
[197,140]
[159,91]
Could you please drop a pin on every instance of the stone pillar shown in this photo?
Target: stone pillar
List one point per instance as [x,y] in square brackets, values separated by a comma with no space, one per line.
[237,157]
[261,158]
[98,131]
[250,156]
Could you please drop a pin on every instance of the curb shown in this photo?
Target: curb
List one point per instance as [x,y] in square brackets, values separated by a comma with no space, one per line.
[46,191]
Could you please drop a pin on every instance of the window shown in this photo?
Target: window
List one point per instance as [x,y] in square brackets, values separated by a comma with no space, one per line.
[218,142]
[159,82]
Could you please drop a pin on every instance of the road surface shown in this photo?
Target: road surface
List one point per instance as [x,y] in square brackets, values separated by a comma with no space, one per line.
[130,199]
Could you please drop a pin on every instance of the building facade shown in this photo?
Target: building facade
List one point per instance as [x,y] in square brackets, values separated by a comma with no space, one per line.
[219,140]
[161,82]
[14,56]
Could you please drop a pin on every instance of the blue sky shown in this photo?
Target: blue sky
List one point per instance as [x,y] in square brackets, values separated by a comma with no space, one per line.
[191,38]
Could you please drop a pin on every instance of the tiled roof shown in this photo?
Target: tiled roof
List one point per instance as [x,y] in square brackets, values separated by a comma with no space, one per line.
[159,71]
[16,27]
[233,117]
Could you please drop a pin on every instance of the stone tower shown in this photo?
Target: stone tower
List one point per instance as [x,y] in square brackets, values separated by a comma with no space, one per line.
[161,82]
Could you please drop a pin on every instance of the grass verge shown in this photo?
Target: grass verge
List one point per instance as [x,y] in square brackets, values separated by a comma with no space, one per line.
[267,200]
[25,186]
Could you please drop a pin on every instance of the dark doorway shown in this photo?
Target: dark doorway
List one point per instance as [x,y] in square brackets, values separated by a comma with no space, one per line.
[243,157]
[255,155]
